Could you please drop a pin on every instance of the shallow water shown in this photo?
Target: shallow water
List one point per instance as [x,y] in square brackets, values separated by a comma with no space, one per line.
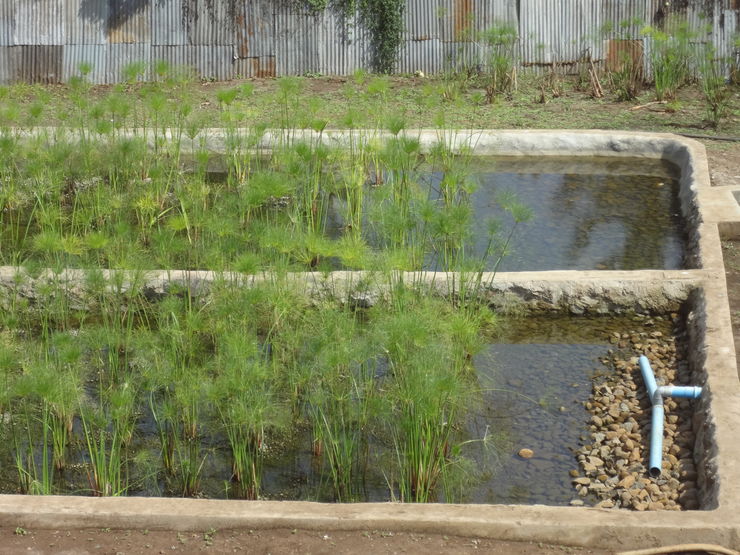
[534,377]
[595,214]
[539,375]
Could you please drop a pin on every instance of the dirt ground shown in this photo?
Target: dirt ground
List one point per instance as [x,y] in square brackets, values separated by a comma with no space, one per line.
[724,167]
[724,160]
[258,541]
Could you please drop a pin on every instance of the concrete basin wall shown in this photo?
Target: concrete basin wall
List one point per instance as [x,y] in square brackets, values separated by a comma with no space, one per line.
[700,289]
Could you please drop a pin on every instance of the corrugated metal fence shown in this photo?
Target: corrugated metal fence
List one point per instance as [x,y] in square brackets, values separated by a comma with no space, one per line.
[47,40]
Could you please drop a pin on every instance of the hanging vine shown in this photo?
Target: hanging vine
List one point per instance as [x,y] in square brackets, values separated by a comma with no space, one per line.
[382,18]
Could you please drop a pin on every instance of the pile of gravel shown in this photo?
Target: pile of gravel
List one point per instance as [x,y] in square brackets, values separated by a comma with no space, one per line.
[613,459]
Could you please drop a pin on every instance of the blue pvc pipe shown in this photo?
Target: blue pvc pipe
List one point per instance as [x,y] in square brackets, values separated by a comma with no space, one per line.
[648,376]
[656,440]
[685,391]
[656,395]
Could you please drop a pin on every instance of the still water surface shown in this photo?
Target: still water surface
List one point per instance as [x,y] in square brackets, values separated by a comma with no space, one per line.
[595,214]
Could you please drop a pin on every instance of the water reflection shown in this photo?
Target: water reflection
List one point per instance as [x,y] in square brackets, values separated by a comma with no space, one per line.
[592,221]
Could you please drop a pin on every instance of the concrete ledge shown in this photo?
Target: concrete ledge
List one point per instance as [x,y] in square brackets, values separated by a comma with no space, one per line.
[592,292]
[603,528]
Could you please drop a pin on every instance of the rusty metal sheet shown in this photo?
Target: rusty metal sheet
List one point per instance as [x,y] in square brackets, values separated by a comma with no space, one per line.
[207,62]
[420,21]
[254,27]
[296,43]
[176,56]
[541,29]
[121,55]
[463,20]
[265,38]
[559,32]
[196,22]
[96,55]
[344,44]
[420,55]
[462,56]
[621,50]
[625,18]
[39,22]
[86,21]
[7,23]
[214,62]
[247,68]
[457,19]
[340,43]
[7,64]
[37,64]
[168,27]
[129,22]
[210,22]
[725,28]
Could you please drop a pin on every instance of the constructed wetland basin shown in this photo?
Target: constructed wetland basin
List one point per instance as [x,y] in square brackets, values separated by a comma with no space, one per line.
[697,293]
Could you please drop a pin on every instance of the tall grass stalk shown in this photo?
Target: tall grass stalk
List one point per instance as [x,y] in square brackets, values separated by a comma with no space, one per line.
[716,91]
[429,397]
[671,55]
[500,70]
[105,454]
[342,399]
[249,409]
[35,471]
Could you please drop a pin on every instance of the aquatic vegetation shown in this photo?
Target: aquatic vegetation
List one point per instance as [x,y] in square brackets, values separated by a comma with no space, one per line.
[234,373]
[115,386]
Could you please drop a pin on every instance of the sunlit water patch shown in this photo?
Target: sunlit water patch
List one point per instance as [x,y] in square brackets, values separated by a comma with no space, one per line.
[595,214]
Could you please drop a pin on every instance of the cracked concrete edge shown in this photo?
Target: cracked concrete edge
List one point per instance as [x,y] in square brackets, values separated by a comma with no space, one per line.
[593,292]
[577,526]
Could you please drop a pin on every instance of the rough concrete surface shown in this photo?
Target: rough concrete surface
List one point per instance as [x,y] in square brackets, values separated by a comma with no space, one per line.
[708,212]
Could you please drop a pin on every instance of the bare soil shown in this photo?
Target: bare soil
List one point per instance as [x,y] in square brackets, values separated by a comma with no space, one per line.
[724,162]
[731,253]
[259,541]
[724,168]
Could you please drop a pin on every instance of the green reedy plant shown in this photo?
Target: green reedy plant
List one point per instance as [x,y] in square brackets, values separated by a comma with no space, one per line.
[35,477]
[520,213]
[163,414]
[626,79]
[671,55]
[31,430]
[428,347]
[180,378]
[58,384]
[244,394]
[393,214]
[429,397]
[189,462]
[104,450]
[288,98]
[310,172]
[342,398]
[625,73]
[714,86]
[500,68]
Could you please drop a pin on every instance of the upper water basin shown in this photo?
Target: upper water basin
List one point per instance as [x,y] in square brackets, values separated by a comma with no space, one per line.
[587,214]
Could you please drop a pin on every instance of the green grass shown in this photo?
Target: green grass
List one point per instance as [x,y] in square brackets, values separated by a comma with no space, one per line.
[418,100]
